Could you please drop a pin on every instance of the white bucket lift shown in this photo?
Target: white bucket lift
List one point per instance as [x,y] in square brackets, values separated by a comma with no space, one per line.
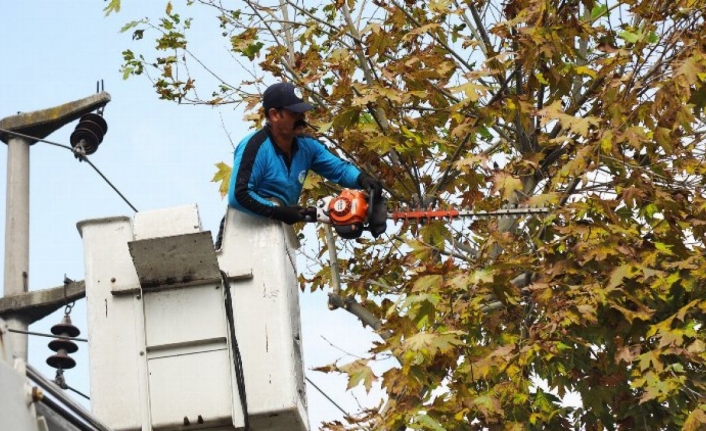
[161,353]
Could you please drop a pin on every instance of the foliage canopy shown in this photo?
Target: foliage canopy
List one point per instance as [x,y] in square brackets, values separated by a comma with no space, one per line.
[592,108]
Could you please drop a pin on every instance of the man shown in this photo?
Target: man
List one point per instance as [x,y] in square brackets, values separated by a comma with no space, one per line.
[271,164]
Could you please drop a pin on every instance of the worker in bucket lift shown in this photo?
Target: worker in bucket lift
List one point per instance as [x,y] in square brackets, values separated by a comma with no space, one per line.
[271,164]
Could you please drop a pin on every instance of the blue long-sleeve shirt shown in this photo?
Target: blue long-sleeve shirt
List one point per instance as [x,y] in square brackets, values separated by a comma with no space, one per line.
[261,171]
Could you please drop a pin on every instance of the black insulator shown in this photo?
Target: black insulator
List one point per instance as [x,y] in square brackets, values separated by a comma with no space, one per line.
[61,361]
[87,137]
[89,132]
[62,344]
[97,119]
[93,128]
[65,328]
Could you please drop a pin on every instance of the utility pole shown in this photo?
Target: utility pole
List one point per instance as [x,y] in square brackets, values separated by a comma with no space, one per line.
[30,125]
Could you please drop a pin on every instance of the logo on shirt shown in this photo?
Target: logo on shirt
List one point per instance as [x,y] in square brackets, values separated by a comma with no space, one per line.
[302,177]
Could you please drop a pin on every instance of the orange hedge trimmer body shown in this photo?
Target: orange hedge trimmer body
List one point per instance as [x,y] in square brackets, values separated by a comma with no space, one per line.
[354,211]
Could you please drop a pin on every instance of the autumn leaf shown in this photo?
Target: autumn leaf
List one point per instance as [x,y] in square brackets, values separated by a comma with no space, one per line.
[471,91]
[359,372]
[506,185]
[427,283]
[425,422]
[222,178]
[642,313]
[488,405]
[432,343]
[619,274]
[696,420]
[575,124]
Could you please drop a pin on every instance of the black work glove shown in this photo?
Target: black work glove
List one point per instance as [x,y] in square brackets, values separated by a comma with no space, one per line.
[289,214]
[369,183]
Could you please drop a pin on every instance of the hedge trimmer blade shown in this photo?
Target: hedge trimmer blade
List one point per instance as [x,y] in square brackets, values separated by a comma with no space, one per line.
[450,214]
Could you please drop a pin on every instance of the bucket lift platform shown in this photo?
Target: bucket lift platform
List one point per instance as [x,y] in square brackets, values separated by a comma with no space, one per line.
[161,353]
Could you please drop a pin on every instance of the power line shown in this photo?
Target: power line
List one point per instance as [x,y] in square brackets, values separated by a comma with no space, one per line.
[327,397]
[60,381]
[78,154]
[47,335]
[78,392]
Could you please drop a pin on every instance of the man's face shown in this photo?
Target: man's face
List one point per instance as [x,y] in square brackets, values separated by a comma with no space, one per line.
[288,122]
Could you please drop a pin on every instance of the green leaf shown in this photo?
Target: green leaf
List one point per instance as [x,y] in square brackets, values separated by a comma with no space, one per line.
[664,248]
[113,6]
[130,25]
[488,405]
[252,50]
[630,37]
[426,422]
[127,71]
[598,11]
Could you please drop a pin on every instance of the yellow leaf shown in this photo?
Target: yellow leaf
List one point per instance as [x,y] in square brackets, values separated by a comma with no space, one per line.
[650,360]
[222,176]
[643,313]
[625,354]
[579,125]
[420,342]
[584,70]
[311,182]
[359,372]
[430,343]
[481,276]
[619,273]
[696,420]
[697,347]
[427,282]
[682,311]
[543,200]
[470,163]
[324,127]
[540,77]
[439,6]
[506,184]
[689,69]
[607,142]
[472,91]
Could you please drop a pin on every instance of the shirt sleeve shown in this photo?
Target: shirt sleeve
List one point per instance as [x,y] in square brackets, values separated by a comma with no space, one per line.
[247,170]
[331,167]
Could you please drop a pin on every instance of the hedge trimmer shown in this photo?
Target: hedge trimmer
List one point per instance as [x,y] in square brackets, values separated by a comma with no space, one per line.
[354,211]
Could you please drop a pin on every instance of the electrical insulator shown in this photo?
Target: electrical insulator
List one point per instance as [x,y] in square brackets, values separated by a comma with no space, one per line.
[63,346]
[89,133]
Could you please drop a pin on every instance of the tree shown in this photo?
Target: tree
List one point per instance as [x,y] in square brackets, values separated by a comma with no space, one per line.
[592,108]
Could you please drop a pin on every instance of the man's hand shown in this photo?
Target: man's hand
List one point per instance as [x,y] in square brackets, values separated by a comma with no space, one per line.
[289,214]
[369,183]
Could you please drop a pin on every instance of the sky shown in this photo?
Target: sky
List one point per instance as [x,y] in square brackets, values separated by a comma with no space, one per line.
[157,153]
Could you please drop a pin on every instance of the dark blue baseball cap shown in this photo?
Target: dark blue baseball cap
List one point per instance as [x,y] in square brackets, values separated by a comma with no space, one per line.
[285,95]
